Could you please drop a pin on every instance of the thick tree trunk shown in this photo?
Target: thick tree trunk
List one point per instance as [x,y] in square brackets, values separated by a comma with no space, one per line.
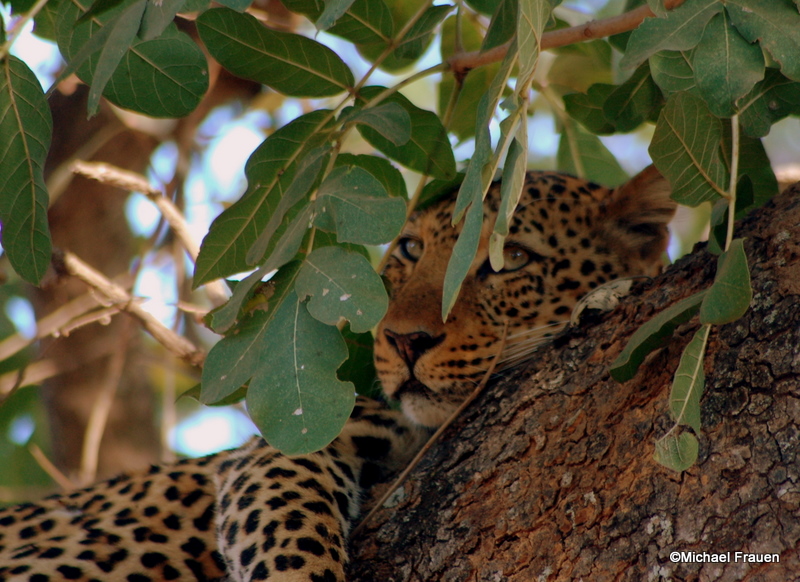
[550,474]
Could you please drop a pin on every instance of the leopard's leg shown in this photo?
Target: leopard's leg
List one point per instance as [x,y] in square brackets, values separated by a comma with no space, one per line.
[286,518]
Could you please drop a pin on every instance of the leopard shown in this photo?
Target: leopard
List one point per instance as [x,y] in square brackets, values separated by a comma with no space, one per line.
[254,513]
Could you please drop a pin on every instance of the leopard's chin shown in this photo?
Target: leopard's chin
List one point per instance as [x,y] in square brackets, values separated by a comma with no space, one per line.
[423,405]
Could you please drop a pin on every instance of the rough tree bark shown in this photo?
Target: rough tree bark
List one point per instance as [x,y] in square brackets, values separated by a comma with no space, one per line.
[550,476]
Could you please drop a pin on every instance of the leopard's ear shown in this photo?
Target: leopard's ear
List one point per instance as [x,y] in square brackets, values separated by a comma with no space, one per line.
[636,214]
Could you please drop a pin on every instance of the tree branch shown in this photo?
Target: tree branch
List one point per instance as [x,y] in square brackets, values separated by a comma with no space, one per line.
[461,63]
[175,343]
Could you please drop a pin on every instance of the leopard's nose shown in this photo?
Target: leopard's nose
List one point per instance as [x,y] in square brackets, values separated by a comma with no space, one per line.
[411,346]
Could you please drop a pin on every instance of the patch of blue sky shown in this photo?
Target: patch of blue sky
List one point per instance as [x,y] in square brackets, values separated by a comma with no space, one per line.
[210,430]
[20,312]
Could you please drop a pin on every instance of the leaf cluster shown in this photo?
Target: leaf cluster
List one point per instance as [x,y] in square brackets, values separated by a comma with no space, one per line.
[712,76]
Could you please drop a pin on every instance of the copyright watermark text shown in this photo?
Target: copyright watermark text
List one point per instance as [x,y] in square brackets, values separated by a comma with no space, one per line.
[722,557]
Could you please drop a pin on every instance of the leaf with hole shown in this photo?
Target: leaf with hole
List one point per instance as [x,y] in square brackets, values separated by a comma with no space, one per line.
[297,402]
[339,284]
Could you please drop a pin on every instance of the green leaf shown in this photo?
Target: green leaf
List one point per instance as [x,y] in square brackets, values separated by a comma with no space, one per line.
[775,25]
[289,63]
[355,205]
[673,71]
[503,24]
[652,335]
[583,154]
[464,252]
[533,17]
[689,382]
[285,249]
[390,120]
[366,21]
[726,66]
[237,5]
[299,404]
[417,40]
[677,453]
[334,10]
[360,365]
[428,150]
[270,172]
[473,86]
[753,162]
[341,284]
[730,295]
[305,178]
[157,17]
[121,28]
[174,65]
[25,132]
[514,173]
[381,169]
[587,108]
[685,149]
[769,101]
[238,357]
[630,104]
[679,31]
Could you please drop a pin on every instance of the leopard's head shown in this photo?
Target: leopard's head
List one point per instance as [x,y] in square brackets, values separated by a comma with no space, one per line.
[567,237]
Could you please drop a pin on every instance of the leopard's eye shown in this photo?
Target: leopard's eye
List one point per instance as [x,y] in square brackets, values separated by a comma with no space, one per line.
[410,248]
[514,258]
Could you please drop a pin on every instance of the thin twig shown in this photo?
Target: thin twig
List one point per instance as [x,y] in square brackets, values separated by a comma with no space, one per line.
[133,182]
[461,63]
[435,437]
[175,343]
[101,408]
[48,467]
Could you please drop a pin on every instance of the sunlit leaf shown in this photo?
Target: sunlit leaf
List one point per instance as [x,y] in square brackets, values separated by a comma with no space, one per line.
[514,172]
[531,21]
[25,131]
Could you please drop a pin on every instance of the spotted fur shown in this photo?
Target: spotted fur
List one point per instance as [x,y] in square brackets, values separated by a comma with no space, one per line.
[255,514]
